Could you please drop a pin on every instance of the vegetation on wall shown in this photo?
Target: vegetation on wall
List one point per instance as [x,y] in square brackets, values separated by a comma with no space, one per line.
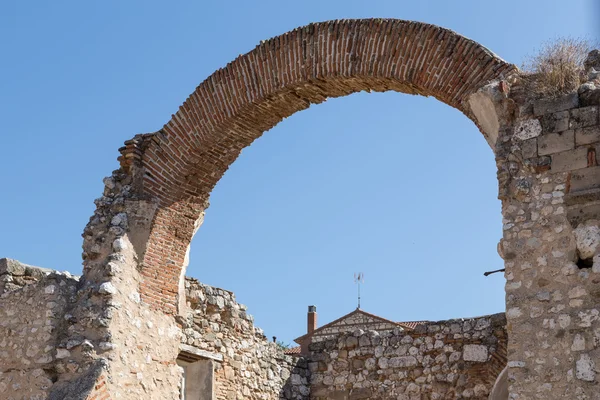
[557,68]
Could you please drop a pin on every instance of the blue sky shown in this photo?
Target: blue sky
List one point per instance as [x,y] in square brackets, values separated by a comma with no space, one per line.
[399,187]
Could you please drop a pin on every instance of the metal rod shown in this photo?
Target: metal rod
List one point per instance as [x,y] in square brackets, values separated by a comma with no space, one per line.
[493,272]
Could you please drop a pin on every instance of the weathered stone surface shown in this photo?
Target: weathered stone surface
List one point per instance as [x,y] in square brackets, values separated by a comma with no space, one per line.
[587,237]
[589,94]
[592,60]
[556,142]
[437,361]
[530,148]
[107,288]
[546,106]
[475,352]
[583,117]
[585,179]
[556,122]
[528,129]
[587,135]
[586,368]
[570,160]
[32,311]
[218,328]
[12,267]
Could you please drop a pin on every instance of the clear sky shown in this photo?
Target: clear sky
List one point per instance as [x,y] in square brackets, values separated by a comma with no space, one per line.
[399,187]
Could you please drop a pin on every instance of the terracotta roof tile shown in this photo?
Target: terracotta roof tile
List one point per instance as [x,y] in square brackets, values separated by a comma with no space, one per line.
[292,351]
[412,324]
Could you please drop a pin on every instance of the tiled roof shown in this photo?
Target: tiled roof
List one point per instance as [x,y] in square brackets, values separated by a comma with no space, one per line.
[412,324]
[292,351]
[358,310]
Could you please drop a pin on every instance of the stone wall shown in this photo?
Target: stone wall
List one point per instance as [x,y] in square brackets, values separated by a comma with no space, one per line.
[456,359]
[33,304]
[42,355]
[550,190]
[252,367]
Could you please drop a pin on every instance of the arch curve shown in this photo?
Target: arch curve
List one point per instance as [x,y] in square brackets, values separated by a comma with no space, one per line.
[177,167]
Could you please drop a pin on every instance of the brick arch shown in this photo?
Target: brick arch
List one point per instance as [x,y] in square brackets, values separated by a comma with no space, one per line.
[178,166]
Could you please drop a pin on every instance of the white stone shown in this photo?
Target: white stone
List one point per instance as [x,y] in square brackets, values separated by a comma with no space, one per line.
[87,345]
[370,363]
[528,129]
[577,292]
[587,239]
[516,364]
[513,312]
[62,353]
[475,352]
[119,244]
[383,363]
[109,182]
[113,268]
[402,362]
[135,297]
[585,368]
[587,317]
[50,289]
[578,343]
[73,343]
[119,220]
[107,288]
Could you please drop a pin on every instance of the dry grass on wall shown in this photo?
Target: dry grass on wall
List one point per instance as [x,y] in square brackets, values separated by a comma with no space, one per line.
[557,68]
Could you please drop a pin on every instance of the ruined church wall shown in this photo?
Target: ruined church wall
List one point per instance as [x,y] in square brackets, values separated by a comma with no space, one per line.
[455,359]
[252,367]
[550,187]
[32,314]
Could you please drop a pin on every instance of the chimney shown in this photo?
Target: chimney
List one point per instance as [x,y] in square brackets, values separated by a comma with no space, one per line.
[311,319]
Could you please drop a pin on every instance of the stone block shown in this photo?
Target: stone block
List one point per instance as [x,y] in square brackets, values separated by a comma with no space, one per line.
[12,267]
[546,106]
[587,135]
[539,164]
[583,117]
[569,160]
[589,94]
[529,148]
[528,129]
[585,179]
[475,352]
[579,213]
[556,142]
[556,122]
[585,368]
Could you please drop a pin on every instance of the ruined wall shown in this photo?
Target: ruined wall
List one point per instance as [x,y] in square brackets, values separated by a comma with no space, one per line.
[456,359]
[33,303]
[252,367]
[550,190]
[38,357]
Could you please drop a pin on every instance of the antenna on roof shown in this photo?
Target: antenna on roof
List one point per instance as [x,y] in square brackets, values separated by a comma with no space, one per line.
[358,279]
